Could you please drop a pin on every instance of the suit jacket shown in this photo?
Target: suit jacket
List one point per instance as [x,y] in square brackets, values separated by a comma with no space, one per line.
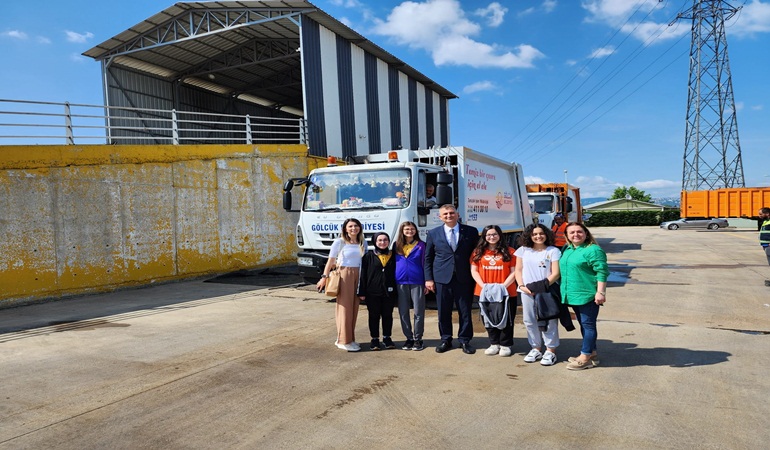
[441,262]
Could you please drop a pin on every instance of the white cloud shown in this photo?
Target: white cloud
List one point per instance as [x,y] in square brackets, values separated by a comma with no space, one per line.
[480,86]
[657,184]
[619,14]
[534,180]
[346,3]
[76,57]
[753,18]
[78,37]
[525,12]
[14,34]
[757,107]
[548,6]
[602,52]
[571,62]
[43,40]
[739,106]
[441,28]
[595,186]
[494,13]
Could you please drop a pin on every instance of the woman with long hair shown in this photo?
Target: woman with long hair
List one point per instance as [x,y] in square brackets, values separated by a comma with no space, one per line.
[346,254]
[493,263]
[584,287]
[410,283]
[538,261]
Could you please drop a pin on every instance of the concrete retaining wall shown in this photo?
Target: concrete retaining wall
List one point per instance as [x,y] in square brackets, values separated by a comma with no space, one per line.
[79,219]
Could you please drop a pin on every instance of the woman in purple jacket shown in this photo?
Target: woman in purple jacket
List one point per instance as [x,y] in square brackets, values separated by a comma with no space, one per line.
[410,283]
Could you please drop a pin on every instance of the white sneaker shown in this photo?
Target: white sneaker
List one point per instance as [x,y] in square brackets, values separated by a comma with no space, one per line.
[355,345]
[505,351]
[350,347]
[533,356]
[549,358]
[492,350]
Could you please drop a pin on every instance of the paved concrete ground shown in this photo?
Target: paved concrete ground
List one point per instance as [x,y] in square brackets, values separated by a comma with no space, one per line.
[683,342]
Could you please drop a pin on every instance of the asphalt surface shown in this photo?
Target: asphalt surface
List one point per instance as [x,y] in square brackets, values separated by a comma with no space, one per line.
[248,361]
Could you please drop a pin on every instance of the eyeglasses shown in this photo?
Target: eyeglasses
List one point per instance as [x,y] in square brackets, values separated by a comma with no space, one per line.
[492,235]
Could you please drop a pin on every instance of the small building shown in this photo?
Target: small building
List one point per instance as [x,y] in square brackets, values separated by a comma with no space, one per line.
[622,204]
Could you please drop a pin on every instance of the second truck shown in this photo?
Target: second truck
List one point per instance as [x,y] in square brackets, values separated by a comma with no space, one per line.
[549,199]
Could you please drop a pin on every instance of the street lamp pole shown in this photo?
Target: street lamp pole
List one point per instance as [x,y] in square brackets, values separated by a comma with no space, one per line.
[565,176]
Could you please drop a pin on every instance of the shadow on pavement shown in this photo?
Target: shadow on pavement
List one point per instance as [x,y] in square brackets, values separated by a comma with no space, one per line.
[627,354]
[88,312]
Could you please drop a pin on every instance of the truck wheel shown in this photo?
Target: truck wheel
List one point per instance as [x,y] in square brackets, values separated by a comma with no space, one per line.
[673,226]
[713,226]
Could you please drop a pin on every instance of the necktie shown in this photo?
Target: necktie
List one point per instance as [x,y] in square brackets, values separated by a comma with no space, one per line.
[452,239]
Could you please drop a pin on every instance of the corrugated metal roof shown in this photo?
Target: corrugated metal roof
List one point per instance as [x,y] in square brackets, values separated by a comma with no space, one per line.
[248,47]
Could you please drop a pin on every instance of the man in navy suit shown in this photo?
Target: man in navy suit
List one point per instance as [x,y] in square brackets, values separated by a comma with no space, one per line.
[448,273]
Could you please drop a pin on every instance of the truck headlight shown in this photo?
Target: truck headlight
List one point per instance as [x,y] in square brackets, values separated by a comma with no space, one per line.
[300,239]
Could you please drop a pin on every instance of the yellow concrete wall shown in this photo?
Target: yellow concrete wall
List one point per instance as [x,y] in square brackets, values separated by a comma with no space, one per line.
[79,219]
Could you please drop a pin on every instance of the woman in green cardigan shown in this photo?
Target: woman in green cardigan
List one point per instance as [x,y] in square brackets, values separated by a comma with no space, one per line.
[584,271]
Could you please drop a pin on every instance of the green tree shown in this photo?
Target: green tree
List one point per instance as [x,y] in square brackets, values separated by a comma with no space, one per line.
[634,193]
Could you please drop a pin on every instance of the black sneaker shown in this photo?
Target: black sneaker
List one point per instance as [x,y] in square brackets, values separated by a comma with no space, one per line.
[408,345]
[375,345]
[388,342]
[418,345]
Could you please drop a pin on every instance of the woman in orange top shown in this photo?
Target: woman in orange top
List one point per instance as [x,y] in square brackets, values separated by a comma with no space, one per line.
[492,261]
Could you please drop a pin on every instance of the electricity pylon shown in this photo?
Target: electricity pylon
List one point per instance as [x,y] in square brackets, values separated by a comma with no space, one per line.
[712,152]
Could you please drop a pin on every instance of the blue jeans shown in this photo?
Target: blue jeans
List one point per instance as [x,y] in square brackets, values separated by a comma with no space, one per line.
[586,316]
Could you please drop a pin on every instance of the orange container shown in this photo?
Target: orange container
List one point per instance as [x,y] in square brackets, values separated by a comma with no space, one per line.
[725,203]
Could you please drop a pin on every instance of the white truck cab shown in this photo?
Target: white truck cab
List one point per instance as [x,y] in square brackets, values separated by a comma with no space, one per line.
[384,190]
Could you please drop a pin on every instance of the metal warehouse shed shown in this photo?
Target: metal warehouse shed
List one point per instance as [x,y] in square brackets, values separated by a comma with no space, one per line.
[273,60]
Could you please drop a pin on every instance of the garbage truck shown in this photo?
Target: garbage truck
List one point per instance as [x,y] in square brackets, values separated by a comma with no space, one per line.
[548,199]
[384,190]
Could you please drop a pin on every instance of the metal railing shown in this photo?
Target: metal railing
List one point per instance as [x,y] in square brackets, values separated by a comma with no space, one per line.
[33,122]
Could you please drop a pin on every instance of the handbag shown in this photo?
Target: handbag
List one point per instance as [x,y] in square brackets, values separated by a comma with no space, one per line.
[333,283]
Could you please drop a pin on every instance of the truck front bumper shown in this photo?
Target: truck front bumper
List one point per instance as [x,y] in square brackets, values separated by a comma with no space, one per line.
[311,265]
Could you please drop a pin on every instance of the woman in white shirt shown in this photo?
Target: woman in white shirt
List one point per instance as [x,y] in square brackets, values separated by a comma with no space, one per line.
[347,250]
[537,259]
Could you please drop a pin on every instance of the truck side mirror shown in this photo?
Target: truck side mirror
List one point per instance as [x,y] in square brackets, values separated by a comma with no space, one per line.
[569,204]
[423,210]
[444,194]
[287,199]
[288,185]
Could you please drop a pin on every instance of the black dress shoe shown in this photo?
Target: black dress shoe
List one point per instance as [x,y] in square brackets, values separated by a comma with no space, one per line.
[467,349]
[444,346]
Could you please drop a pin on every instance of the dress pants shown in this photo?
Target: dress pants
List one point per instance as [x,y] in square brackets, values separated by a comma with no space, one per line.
[461,296]
[348,303]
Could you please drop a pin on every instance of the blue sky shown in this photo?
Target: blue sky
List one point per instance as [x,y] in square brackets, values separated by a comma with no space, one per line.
[594,87]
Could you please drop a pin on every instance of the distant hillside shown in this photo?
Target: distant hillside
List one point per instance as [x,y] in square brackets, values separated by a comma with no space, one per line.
[591,200]
[674,202]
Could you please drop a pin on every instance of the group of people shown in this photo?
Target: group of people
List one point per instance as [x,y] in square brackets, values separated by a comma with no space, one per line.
[460,266]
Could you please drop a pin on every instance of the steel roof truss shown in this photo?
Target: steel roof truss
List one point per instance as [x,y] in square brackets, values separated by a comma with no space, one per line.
[196,24]
[250,53]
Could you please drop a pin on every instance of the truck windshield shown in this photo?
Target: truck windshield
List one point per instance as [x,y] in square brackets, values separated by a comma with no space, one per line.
[543,205]
[360,190]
